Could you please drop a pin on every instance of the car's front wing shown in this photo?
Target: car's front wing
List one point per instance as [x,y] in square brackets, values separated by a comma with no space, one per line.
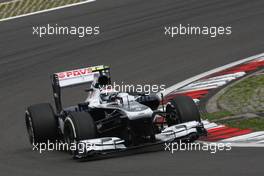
[104,145]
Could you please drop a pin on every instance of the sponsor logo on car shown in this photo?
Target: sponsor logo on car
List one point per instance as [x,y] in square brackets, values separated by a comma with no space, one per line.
[74,73]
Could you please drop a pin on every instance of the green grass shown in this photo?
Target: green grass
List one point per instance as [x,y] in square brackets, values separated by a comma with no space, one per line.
[256,124]
[20,7]
[216,115]
[245,96]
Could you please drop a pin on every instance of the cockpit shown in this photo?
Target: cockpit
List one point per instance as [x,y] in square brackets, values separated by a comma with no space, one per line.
[108,95]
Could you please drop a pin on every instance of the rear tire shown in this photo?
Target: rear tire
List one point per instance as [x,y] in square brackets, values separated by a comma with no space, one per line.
[182,109]
[41,123]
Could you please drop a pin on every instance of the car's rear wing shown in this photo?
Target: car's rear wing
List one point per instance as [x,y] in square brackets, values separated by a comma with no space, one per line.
[79,76]
[75,77]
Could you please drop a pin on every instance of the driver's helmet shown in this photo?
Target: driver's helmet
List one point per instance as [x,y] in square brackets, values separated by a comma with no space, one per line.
[108,95]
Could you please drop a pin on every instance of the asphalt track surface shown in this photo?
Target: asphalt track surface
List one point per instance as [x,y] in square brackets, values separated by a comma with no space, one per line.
[132,42]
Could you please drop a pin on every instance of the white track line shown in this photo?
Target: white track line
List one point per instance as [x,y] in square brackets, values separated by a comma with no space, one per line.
[205,122]
[247,137]
[195,78]
[47,10]
[235,144]
[232,75]
[260,142]
[212,125]
[7,2]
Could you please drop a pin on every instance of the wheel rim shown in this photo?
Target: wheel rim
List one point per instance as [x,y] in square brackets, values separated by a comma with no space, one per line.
[70,139]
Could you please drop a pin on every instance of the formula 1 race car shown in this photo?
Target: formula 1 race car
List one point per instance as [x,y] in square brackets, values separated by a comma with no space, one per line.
[108,120]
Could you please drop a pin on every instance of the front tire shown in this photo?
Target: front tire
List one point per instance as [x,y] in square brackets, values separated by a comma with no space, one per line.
[182,109]
[79,126]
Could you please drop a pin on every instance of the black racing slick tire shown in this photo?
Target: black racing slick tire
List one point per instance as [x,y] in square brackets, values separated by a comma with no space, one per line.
[79,126]
[182,109]
[41,123]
